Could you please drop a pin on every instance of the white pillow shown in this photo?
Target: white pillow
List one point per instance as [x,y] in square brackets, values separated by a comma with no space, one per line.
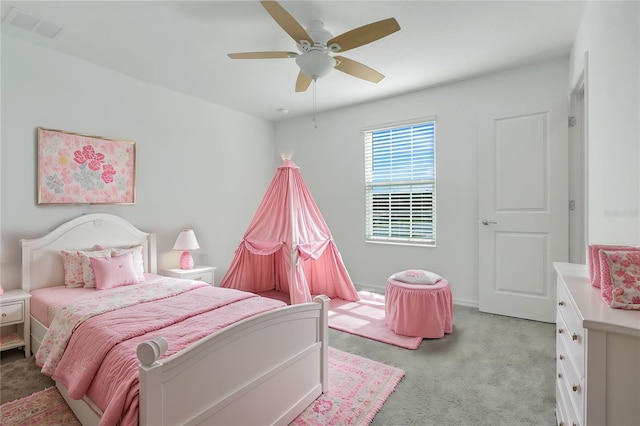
[417,276]
[138,260]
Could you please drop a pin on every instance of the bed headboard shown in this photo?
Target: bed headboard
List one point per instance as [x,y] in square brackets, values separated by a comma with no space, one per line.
[41,260]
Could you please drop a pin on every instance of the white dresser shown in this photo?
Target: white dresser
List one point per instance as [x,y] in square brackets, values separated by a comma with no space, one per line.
[597,355]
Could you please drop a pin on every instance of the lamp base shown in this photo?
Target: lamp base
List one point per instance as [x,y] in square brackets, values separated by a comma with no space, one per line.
[186,261]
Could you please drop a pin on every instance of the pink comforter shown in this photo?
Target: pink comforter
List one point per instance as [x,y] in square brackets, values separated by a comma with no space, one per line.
[100,359]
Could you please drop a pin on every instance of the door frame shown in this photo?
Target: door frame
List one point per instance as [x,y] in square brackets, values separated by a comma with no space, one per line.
[579,166]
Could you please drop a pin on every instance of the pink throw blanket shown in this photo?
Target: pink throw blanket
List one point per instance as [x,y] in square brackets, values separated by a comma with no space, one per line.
[100,359]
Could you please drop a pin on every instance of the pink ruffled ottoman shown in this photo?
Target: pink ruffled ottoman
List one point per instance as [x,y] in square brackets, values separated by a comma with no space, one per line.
[419,310]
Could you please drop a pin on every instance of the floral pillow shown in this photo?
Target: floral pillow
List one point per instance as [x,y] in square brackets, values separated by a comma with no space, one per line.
[138,260]
[594,260]
[87,271]
[72,264]
[417,276]
[620,271]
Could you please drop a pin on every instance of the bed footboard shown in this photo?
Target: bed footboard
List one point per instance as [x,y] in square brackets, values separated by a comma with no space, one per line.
[260,371]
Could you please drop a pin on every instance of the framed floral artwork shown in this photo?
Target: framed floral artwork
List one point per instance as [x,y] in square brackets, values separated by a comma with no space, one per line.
[82,169]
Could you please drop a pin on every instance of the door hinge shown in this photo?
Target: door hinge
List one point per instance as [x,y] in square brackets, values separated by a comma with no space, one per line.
[572,121]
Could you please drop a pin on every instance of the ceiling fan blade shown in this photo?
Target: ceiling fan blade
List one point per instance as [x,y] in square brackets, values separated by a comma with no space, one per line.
[286,21]
[357,69]
[365,34]
[303,82]
[262,55]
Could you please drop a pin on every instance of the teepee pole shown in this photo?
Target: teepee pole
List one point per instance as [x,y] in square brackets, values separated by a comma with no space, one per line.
[294,236]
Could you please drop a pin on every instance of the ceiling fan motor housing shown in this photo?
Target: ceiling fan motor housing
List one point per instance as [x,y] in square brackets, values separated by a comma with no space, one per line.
[318,33]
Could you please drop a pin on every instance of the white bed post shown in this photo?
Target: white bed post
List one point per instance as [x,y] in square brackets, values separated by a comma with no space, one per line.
[151,257]
[150,381]
[324,338]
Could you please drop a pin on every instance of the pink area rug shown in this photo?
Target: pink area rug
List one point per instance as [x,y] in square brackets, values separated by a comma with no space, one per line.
[366,318]
[357,389]
[43,408]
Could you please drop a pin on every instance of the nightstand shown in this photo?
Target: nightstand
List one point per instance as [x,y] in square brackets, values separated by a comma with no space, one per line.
[199,272]
[14,310]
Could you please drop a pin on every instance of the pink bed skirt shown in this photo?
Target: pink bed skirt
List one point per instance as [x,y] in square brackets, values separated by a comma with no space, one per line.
[419,310]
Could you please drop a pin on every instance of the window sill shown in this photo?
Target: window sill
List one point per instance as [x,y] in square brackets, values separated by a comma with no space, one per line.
[402,243]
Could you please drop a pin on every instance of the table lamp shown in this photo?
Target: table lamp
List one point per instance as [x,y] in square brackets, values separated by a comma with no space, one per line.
[186,242]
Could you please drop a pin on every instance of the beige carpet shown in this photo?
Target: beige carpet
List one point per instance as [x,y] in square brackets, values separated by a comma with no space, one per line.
[21,378]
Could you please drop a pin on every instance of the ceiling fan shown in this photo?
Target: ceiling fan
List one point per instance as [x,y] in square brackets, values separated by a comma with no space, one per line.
[315,43]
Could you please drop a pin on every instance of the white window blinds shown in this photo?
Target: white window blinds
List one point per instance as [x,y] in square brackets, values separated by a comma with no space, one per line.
[400,180]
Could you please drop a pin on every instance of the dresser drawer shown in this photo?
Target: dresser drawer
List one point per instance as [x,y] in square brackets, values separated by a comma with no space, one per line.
[569,327]
[565,415]
[569,379]
[207,277]
[569,312]
[11,313]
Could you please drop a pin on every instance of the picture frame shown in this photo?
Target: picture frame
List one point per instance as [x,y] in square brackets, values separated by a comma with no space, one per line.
[75,168]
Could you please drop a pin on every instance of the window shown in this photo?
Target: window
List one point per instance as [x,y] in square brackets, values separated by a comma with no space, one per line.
[400,179]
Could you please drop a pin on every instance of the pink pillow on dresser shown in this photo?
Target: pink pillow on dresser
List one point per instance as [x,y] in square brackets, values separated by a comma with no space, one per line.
[620,273]
[594,260]
[111,272]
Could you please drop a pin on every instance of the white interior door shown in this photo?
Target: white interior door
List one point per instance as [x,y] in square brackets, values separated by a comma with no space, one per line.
[523,207]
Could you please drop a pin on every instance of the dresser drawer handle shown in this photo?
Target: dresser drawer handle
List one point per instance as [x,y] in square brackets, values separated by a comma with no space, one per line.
[559,375]
[4,315]
[574,336]
[574,388]
[561,303]
[561,330]
[561,357]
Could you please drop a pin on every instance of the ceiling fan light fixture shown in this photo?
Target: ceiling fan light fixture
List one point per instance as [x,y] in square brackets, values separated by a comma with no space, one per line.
[315,63]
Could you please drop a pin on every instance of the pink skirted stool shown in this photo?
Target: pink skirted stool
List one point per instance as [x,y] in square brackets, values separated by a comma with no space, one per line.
[418,310]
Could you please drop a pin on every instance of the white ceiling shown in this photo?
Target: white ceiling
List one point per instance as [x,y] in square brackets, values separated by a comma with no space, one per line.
[182,45]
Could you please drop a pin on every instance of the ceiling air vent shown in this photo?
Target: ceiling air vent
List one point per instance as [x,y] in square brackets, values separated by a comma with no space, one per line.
[21,19]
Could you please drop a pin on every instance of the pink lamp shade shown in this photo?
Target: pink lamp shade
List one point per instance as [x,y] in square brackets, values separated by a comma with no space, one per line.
[186,242]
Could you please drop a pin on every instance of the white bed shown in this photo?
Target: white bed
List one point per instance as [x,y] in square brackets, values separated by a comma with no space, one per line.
[288,379]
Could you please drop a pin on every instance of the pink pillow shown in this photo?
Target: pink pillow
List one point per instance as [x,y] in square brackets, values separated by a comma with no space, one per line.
[114,272]
[620,272]
[594,260]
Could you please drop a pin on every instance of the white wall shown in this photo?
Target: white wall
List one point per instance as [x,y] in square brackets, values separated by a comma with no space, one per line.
[609,34]
[198,165]
[331,159]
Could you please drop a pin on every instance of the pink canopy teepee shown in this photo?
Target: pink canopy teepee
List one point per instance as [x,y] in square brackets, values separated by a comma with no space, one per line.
[288,246]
